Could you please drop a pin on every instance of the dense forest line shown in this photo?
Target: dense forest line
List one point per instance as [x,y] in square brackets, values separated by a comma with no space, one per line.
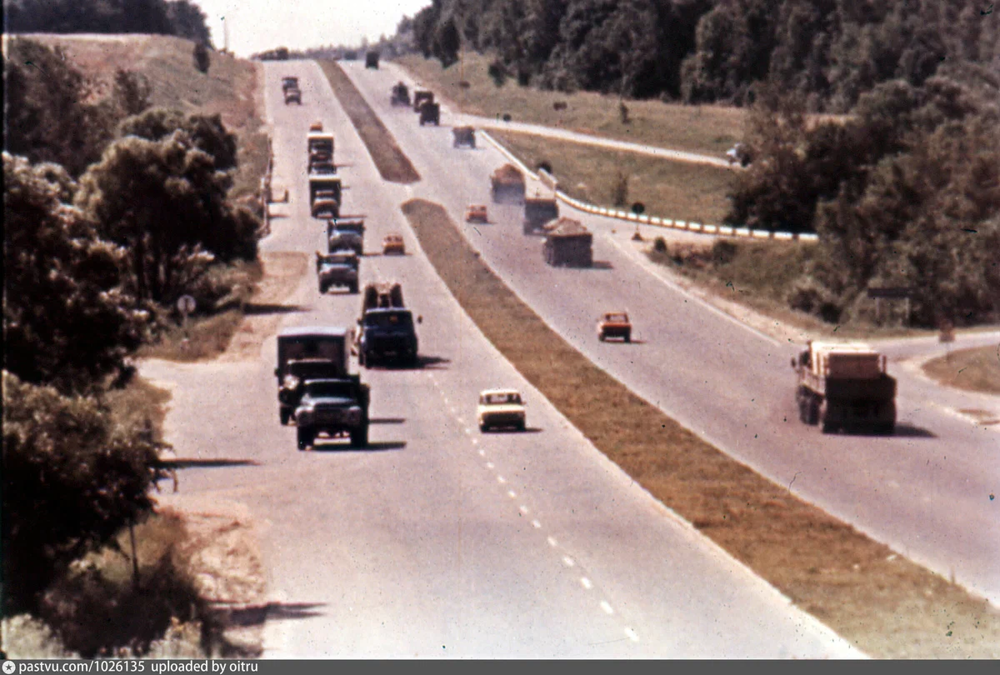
[702,51]
[158,17]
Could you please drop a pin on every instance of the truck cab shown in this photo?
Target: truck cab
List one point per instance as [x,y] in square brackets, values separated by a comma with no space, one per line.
[387,335]
[335,407]
[304,352]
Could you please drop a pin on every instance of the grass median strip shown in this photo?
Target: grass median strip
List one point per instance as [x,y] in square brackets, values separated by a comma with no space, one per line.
[390,161]
[882,603]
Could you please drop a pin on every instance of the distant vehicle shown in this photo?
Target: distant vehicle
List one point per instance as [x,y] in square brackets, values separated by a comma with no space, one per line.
[324,187]
[304,353]
[325,209]
[463,136]
[430,113]
[568,244]
[319,146]
[476,213]
[393,244]
[293,96]
[289,83]
[538,212]
[371,60]
[350,55]
[507,185]
[739,153]
[337,269]
[419,97]
[346,234]
[316,126]
[323,168]
[614,325]
[400,95]
[845,385]
[334,407]
[500,408]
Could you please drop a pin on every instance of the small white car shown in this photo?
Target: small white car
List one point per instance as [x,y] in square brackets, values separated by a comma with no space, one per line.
[500,408]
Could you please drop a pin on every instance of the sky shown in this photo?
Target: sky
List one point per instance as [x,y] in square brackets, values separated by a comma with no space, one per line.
[258,25]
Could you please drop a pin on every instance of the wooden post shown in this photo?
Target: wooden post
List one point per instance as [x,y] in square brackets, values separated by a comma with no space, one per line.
[135,559]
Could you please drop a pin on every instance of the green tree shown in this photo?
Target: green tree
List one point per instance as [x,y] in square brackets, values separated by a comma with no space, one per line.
[132,92]
[165,203]
[67,319]
[72,480]
[207,132]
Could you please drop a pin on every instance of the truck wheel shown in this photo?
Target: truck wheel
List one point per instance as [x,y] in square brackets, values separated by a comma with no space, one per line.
[285,415]
[354,287]
[359,437]
[323,290]
[628,337]
[520,426]
[600,336]
[483,428]
[304,438]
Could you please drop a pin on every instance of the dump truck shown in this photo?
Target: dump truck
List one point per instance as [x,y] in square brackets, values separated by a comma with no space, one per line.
[305,353]
[293,95]
[400,95]
[419,97]
[371,60]
[463,136]
[568,244]
[289,82]
[339,268]
[507,185]
[346,234]
[845,386]
[538,212]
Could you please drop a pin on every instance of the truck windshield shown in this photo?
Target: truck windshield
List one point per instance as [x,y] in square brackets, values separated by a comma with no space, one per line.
[330,389]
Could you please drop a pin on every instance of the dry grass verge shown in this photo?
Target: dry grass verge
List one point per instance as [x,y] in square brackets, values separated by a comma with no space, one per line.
[667,188]
[976,369]
[389,159]
[705,129]
[882,603]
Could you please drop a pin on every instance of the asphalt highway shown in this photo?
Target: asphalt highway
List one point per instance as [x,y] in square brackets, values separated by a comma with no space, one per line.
[928,491]
[437,540]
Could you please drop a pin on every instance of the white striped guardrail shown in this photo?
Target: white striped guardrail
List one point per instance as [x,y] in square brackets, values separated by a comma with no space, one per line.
[700,228]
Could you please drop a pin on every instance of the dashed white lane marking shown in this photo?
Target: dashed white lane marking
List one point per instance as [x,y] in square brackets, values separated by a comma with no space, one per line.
[569,561]
[552,542]
[489,465]
[511,494]
[524,509]
[632,635]
[468,431]
[606,607]
[475,441]
[501,480]
[586,583]
[535,524]
[482,453]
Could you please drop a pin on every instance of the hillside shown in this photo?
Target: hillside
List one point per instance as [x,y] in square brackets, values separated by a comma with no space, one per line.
[229,88]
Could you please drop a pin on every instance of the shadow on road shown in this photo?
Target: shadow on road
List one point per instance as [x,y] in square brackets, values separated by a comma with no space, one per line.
[528,430]
[272,611]
[387,420]
[339,446]
[254,309]
[207,463]
[905,430]
[601,265]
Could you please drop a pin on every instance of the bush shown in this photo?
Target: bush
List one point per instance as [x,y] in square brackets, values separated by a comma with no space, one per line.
[202,60]
[72,480]
[724,252]
[660,245]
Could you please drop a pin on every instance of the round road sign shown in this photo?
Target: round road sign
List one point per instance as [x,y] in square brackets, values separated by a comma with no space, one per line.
[186,304]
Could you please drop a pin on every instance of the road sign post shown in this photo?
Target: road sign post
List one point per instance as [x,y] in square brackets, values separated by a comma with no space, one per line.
[185,305]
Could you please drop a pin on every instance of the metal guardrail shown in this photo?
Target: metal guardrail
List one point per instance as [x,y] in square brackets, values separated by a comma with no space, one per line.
[656,221]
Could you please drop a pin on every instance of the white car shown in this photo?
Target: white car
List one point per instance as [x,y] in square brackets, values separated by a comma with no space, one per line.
[500,408]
